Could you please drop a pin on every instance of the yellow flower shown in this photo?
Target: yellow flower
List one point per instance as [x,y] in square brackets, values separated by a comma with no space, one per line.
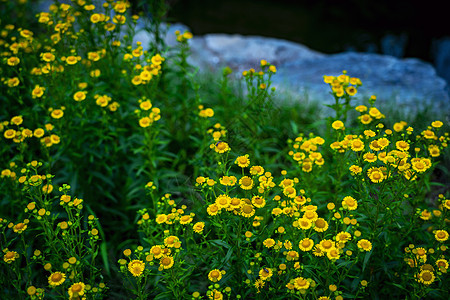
[79,96]
[437,124]
[136,267]
[38,91]
[31,290]
[166,262]
[145,105]
[72,260]
[247,211]
[145,122]
[351,90]
[338,125]
[269,242]
[441,235]
[333,253]
[355,169]
[419,165]
[215,275]
[9,134]
[186,219]
[198,227]
[56,278]
[171,241]
[402,146]
[370,157]
[304,223]
[365,119]
[442,264]
[12,82]
[242,161]
[301,283]
[19,228]
[426,277]
[221,147]
[374,112]
[57,114]
[119,19]
[320,225]
[434,150]
[76,290]
[349,203]
[265,273]
[10,256]
[71,60]
[157,251]
[375,175]
[157,59]
[215,295]
[223,201]
[357,145]
[17,120]
[246,183]
[425,215]
[326,245]
[343,237]
[364,245]
[258,201]
[256,170]
[361,108]
[13,61]
[306,244]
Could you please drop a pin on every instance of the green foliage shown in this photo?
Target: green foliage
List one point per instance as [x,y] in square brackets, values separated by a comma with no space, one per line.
[129,173]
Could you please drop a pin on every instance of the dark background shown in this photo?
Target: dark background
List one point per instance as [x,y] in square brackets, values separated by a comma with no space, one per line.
[398,28]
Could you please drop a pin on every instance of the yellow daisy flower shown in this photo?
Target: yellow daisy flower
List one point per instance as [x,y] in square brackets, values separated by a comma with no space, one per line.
[136,267]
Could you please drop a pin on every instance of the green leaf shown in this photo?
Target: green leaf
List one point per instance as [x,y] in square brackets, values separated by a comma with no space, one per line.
[165,295]
[366,259]
[221,243]
[227,257]
[104,254]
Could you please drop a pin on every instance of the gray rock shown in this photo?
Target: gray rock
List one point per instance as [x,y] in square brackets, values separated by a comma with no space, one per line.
[410,82]
[407,82]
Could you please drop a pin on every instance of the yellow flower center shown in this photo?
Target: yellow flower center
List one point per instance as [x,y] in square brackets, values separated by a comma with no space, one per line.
[258,200]
[327,244]
[440,234]
[246,181]
[427,276]
[221,146]
[166,261]
[420,165]
[215,274]
[235,201]
[247,209]
[76,288]
[301,282]
[309,214]
[56,277]
[320,223]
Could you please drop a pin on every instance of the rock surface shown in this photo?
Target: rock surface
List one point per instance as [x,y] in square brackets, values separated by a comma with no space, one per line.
[408,82]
